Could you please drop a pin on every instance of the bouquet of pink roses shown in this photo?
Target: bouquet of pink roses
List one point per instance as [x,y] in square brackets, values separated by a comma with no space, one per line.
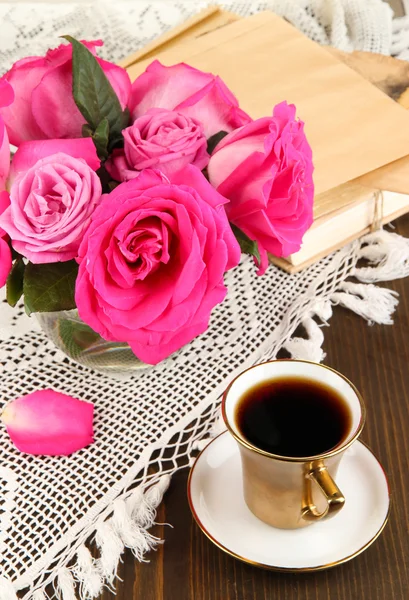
[130,202]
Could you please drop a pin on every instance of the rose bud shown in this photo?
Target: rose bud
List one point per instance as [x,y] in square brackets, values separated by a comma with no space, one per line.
[161,139]
[49,423]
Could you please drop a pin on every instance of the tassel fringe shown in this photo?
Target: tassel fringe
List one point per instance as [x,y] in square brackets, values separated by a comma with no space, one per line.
[40,595]
[7,591]
[387,254]
[65,585]
[110,547]
[374,304]
[125,529]
[388,257]
[87,574]
[133,536]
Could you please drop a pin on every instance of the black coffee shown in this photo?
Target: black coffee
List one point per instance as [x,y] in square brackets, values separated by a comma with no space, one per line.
[293,416]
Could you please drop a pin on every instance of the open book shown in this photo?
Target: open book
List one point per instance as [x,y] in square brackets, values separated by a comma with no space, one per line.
[348,120]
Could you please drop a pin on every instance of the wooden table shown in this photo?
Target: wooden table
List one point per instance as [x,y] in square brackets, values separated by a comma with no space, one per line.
[189,567]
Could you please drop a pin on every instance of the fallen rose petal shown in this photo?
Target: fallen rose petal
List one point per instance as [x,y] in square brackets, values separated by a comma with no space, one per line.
[49,423]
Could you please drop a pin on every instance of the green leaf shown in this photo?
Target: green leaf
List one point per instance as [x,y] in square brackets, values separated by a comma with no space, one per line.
[86,130]
[214,140]
[247,245]
[14,286]
[93,94]
[116,140]
[101,138]
[50,287]
[105,179]
[14,254]
[112,185]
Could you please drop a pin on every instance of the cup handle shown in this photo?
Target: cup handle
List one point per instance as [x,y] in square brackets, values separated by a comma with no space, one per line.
[333,495]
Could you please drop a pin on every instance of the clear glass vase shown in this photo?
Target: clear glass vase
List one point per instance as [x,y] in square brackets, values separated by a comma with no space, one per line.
[78,341]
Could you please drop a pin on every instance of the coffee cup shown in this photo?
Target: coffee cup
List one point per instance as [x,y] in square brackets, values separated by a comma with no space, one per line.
[293,420]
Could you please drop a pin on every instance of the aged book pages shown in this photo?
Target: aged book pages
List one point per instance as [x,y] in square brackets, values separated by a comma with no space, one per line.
[264,60]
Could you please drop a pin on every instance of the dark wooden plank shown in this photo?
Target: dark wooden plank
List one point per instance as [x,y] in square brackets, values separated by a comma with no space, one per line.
[190,567]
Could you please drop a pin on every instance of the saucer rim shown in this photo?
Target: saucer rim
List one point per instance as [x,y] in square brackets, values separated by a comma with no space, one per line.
[272,567]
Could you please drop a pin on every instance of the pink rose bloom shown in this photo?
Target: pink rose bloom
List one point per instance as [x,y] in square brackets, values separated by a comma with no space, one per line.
[6,98]
[54,191]
[5,252]
[201,96]
[152,262]
[265,170]
[44,107]
[161,139]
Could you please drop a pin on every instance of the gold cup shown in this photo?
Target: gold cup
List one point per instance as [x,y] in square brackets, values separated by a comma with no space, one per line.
[292,492]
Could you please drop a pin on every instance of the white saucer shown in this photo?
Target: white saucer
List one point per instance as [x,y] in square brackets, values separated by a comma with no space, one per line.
[216,500]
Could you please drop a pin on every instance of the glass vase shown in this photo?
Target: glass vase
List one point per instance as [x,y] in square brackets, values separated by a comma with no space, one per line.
[83,345]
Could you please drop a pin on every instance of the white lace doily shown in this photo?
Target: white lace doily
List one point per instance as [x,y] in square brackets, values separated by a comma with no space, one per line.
[50,507]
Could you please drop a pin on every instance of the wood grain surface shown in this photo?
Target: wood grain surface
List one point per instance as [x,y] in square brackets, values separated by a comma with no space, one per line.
[189,567]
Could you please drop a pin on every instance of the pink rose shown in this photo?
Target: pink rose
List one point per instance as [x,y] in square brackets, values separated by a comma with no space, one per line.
[161,139]
[152,262]
[54,191]
[201,96]
[44,107]
[6,98]
[265,170]
[5,252]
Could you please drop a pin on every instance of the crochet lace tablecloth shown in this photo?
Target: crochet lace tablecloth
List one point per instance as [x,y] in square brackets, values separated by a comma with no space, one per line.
[50,508]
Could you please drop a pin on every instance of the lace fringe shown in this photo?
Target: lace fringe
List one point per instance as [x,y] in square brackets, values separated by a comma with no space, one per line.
[7,591]
[126,528]
[388,257]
